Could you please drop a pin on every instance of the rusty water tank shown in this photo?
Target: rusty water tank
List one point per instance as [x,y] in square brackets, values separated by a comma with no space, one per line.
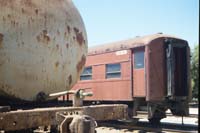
[43,48]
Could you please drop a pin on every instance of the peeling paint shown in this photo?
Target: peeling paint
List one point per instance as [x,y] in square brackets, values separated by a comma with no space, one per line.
[68,29]
[36,11]
[67,45]
[9,16]
[56,64]
[58,32]
[65,34]
[23,10]
[79,36]
[57,46]
[81,63]
[74,38]
[70,79]
[43,37]
[4,19]
[1,40]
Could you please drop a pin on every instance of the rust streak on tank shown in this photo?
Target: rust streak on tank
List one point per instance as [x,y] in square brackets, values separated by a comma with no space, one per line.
[43,37]
[79,36]
[57,64]
[9,16]
[58,32]
[57,46]
[4,19]
[36,11]
[68,29]
[38,38]
[74,37]
[81,63]
[70,79]
[67,45]
[1,39]
[23,10]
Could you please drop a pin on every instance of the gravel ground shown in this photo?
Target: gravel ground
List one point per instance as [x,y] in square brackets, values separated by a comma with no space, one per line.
[171,119]
[191,111]
[186,120]
[194,111]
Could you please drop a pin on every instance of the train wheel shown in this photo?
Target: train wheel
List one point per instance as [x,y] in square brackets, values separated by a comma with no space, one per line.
[156,113]
[155,121]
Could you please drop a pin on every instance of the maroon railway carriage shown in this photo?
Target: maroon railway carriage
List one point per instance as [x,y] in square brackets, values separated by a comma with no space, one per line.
[151,71]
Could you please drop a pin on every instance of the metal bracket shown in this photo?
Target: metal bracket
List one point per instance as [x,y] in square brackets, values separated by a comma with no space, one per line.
[26,119]
[76,123]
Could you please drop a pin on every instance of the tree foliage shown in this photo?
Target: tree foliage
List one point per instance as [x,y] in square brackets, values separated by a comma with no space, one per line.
[195,71]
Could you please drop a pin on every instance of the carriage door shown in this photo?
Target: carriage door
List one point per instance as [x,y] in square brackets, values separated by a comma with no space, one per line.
[176,70]
[138,72]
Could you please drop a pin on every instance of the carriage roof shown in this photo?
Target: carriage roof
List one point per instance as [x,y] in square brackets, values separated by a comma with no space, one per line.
[127,44]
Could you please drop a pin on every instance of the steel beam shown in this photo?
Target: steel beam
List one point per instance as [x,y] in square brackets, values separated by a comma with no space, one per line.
[24,119]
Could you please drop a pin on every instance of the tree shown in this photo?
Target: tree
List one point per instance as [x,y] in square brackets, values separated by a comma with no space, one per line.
[195,71]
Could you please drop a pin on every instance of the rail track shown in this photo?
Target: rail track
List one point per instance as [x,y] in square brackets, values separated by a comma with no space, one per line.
[145,114]
[171,124]
[128,127]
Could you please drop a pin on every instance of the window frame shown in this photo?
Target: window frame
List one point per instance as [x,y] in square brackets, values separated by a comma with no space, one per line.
[135,63]
[113,72]
[86,75]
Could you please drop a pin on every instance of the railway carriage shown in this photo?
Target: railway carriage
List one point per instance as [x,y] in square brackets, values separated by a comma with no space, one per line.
[149,72]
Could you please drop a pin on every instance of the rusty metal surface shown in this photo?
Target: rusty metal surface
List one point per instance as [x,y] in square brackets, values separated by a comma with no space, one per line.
[23,119]
[156,71]
[127,44]
[43,47]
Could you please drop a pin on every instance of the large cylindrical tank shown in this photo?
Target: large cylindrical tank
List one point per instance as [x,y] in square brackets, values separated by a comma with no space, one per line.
[43,47]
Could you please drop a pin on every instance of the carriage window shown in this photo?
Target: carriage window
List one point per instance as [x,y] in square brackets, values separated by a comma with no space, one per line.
[113,71]
[86,74]
[139,59]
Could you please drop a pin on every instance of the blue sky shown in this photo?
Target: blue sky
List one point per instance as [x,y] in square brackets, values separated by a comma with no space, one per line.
[115,20]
